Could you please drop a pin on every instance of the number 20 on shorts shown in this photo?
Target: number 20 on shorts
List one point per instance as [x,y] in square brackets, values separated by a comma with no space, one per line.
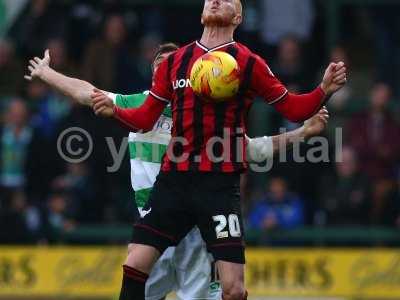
[233,226]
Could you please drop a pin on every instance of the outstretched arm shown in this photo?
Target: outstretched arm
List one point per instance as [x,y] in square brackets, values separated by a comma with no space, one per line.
[262,148]
[296,108]
[140,118]
[77,89]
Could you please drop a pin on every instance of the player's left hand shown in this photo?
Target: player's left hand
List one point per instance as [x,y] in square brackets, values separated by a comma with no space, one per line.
[102,104]
[335,78]
[315,125]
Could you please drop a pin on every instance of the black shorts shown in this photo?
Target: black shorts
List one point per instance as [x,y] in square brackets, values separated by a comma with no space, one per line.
[181,200]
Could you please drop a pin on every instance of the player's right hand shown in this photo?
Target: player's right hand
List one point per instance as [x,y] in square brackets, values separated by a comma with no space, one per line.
[102,104]
[38,65]
[316,124]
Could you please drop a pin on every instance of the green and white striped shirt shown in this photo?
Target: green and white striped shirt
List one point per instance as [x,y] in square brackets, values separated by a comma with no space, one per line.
[146,150]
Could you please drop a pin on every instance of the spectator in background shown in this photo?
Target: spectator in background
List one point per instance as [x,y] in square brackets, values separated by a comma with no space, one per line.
[290,66]
[23,218]
[45,20]
[15,138]
[57,217]
[142,75]
[279,209]
[373,135]
[76,182]
[107,63]
[59,57]
[286,17]
[345,195]
[11,71]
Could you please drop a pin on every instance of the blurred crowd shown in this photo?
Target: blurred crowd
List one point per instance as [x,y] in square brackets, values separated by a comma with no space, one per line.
[112,46]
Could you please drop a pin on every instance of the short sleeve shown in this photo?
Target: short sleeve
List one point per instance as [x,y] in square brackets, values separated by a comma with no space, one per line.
[162,86]
[265,84]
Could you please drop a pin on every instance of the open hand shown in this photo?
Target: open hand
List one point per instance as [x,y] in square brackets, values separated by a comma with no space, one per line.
[38,65]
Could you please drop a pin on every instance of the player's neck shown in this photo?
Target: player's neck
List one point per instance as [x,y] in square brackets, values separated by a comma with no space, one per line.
[215,36]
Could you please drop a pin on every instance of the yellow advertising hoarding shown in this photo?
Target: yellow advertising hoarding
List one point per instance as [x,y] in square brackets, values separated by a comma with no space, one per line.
[309,272]
[70,271]
[61,271]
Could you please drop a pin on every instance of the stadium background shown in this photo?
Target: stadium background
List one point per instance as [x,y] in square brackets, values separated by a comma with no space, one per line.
[340,233]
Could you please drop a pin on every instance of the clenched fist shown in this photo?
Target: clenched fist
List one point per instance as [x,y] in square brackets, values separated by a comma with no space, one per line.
[335,78]
[102,104]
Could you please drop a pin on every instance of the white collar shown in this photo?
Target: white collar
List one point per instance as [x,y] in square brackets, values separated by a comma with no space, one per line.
[214,48]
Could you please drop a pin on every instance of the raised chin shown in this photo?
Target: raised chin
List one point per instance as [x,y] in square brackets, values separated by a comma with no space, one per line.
[216,20]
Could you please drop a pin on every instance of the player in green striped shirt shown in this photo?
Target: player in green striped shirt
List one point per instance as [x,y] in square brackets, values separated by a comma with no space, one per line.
[187,267]
[145,150]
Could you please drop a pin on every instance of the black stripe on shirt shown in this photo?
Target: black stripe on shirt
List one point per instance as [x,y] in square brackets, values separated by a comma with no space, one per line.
[198,134]
[244,87]
[220,111]
[180,96]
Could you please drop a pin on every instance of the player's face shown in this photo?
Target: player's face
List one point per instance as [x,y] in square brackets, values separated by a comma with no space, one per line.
[221,13]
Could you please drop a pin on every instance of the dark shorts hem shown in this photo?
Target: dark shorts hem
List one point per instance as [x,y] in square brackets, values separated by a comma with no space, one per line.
[230,252]
[146,235]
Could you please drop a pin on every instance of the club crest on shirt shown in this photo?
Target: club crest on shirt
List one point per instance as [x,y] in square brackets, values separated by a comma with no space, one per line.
[163,125]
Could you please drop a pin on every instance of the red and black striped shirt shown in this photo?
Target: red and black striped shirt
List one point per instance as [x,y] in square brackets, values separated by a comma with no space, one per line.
[209,136]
